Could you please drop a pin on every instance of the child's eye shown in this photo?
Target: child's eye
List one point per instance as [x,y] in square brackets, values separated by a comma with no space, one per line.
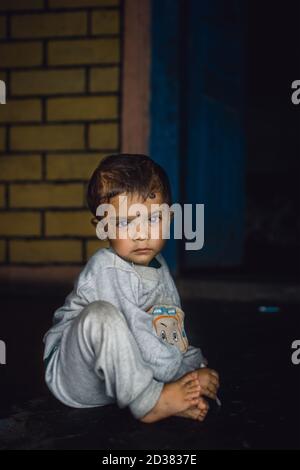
[154,219]
[175,337]
[122,223]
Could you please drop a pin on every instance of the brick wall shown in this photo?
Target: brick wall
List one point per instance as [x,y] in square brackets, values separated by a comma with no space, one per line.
[60,60]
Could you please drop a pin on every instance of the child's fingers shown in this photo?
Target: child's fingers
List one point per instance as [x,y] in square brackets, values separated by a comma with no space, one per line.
[194,401]
[215,374]
[209,394]
[212,389]
[203,405]
[189,377]
[194,394]
[193,384]
[213,381]
[212,384]
[195,390]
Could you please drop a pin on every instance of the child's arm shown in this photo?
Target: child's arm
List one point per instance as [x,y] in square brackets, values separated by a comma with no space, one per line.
[121,289]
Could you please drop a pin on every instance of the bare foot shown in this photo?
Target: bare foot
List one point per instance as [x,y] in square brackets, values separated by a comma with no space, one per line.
[175,397]
[197,412]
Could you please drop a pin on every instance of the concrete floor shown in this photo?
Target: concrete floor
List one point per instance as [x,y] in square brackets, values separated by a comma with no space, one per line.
[252,352]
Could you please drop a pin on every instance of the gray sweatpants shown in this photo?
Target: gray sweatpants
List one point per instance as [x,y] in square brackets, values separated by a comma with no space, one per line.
[98,362]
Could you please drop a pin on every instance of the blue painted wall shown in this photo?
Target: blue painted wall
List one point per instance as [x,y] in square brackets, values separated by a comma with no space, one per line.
[164,126]
[215,163]
[197,131]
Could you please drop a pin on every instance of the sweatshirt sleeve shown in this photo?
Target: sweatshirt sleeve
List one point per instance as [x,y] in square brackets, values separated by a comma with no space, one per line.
[121,289]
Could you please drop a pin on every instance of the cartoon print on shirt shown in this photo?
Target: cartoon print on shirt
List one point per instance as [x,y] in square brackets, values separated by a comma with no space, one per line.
[168,322]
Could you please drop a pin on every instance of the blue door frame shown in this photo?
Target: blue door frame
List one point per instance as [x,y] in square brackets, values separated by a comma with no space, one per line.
[209,123]
[164,107]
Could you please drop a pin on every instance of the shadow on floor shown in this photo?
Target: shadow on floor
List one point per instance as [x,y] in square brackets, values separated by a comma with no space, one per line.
[252,352]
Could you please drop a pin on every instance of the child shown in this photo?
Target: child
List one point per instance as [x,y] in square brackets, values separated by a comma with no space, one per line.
[119,337]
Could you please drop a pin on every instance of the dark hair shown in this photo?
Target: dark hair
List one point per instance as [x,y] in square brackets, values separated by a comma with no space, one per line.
[130,173]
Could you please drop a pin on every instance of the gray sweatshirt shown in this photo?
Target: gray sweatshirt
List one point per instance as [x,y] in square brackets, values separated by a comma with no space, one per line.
[149,301]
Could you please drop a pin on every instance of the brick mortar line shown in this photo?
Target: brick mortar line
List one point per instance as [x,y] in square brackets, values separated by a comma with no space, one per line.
[51,209]
[89,94]
[63,123]
[57,152]
[18,153]
[52,238]
[54,68]
[43,224]
[38,39]
[49,10]
[46,182]
[59,67]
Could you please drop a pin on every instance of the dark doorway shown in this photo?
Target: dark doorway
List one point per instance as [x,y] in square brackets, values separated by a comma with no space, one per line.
[273,140]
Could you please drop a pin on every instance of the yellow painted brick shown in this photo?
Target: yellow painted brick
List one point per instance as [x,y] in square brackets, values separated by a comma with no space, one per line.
[20,167]
[2,27]
[44,251]
[93,246]
[104,79]
[49,25]
[2,195]
[2,138]
[2,250]
[106,22]
[103,136]
[21,54]
[87,51]
[20,223]
[81,3]
[20,111]
[47,82]
[68,137]
[76,223]
[21,5]
[74,109]
[46,195]
[65,166]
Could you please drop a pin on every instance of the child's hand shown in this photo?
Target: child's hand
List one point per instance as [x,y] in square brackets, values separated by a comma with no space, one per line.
[209,381]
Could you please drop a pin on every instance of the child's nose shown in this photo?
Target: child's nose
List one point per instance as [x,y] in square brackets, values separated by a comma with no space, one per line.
[140,232]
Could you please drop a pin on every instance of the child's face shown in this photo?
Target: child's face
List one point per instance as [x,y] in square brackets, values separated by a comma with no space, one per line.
[126,248]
